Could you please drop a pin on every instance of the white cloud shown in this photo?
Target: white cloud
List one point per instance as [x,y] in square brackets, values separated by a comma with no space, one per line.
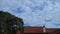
[34,12]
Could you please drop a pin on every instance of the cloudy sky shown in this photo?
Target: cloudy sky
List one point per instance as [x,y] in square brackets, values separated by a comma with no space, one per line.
[34,12]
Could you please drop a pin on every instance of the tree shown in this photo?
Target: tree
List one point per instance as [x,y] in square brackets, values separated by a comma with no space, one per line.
[9,23]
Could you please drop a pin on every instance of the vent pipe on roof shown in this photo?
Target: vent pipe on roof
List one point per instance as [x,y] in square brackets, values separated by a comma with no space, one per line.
[44,29]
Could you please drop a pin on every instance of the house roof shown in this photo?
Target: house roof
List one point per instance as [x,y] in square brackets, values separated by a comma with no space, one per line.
[29,29]
[51,29]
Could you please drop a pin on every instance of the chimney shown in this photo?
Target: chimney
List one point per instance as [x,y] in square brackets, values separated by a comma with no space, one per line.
[44,29]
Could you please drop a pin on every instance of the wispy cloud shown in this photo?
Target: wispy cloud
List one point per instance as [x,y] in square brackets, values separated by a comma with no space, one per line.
[34,12]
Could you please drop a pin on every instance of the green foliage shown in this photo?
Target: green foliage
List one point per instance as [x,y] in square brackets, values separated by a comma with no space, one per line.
[6,19]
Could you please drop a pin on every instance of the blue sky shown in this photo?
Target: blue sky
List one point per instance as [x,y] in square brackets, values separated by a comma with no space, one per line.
[34,12]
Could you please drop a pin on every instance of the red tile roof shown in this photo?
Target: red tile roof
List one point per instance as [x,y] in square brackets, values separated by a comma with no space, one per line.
[32,29]
[29,29]
[51,29]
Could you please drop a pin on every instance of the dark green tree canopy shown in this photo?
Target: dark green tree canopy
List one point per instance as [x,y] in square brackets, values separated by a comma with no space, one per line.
[5,16]
[7,20]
